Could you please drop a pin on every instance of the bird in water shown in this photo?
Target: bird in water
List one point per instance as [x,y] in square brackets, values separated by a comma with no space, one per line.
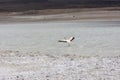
[67,40]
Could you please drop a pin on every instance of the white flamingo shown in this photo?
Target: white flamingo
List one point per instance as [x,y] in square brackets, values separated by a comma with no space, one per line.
[67,40]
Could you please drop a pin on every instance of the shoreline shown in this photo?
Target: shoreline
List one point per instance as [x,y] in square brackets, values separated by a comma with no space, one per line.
[93,14]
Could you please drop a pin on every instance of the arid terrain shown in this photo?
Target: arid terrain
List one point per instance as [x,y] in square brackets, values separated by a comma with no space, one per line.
[109,13]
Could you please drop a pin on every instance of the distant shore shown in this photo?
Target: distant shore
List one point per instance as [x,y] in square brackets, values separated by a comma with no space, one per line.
[84,14]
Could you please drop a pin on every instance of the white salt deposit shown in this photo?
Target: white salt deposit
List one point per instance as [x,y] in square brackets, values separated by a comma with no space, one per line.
[51,67]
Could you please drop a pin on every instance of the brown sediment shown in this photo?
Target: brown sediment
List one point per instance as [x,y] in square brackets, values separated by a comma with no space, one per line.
[110,13]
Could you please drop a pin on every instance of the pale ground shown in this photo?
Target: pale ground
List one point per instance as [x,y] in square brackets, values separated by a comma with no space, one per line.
[15,65]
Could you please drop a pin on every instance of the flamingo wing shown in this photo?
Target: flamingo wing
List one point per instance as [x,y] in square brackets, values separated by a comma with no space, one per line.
[62,41]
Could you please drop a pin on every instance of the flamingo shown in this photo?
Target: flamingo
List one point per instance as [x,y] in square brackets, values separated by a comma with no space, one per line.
[67,40]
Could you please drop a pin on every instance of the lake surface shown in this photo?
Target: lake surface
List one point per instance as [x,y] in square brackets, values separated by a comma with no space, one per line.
[91,38]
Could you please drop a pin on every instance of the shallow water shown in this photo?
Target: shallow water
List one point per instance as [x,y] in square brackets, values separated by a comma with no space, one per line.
[91,38]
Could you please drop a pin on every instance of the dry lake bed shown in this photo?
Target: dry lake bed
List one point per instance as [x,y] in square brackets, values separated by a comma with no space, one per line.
[30,51]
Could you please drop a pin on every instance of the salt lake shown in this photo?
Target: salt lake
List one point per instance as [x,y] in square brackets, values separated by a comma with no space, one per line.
[91,37]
